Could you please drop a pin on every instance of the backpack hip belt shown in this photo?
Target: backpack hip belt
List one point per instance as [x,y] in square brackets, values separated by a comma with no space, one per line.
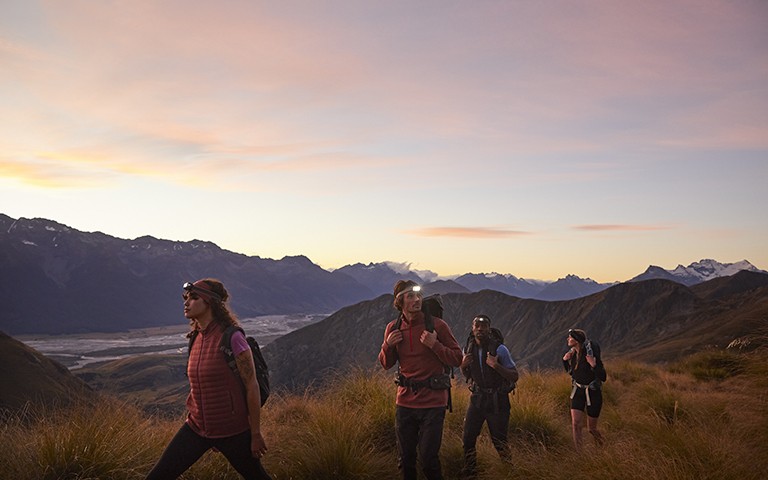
[474,388]
[485,394]
[436,382]
[593,385]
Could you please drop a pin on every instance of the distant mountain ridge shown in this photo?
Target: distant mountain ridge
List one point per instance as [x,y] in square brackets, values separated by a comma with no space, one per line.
[567,288]
[55,279]
[696,272]
[652,321]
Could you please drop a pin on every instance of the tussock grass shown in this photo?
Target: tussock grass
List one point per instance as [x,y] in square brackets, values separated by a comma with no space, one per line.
[712,364]
[540,416]
[110,439]
[661,423]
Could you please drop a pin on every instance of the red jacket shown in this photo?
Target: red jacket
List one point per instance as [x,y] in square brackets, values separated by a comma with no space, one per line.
[216,401]
[418,362]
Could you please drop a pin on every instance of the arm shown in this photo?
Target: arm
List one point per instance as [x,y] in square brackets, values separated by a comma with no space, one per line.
[466,364]
[503,364]
[599,370]
[596,362]
[247,373]
[567,359]
[388,352]
[443,344]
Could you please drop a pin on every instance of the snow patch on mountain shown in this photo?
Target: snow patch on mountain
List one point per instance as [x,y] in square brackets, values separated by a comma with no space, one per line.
[697,272]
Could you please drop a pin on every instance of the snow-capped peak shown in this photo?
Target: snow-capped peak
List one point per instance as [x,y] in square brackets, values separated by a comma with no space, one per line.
[708,269]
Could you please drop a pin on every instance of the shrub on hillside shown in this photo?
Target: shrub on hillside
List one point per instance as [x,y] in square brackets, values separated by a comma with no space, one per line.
[712,364]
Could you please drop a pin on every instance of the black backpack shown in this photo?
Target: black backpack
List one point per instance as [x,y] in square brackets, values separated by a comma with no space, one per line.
[496,339]
[262,371]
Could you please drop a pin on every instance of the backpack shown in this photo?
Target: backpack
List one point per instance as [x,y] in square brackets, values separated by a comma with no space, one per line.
[592,348]
[431,306]
[496,339]
[262,370]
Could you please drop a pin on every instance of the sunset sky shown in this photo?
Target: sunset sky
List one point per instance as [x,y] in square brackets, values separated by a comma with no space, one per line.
[536,138]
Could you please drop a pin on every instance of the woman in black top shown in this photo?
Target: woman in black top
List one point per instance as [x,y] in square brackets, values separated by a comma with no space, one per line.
[587,372]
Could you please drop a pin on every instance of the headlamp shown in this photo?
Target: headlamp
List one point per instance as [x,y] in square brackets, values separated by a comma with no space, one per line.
[414,289]
[199,288]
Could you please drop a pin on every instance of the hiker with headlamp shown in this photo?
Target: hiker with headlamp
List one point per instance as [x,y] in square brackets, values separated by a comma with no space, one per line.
[585,365]
[423,351]
[492,374]
[224,408]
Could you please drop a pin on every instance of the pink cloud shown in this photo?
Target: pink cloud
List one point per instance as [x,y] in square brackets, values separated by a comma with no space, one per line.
[466,232]
[620,228]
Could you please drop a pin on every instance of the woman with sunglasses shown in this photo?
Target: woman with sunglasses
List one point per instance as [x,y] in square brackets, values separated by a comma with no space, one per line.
[584,364]
[223,406]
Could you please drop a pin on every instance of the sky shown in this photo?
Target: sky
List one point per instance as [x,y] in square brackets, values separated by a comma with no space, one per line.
[532,138]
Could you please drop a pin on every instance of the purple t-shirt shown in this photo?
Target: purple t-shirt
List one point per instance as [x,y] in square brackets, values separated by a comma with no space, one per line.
[239,343]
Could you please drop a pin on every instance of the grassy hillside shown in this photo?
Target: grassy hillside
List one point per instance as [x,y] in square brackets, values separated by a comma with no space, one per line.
[26,376]
[652,321]
[705,417]
[156,382]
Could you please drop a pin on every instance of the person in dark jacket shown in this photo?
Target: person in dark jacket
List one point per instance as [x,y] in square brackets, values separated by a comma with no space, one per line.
[422,394]
[491,372]
[585,365]
[224,407]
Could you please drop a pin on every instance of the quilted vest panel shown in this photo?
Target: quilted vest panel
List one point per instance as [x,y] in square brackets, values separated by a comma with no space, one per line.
[216,401]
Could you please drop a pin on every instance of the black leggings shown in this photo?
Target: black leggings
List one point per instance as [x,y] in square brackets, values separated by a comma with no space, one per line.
[187,447]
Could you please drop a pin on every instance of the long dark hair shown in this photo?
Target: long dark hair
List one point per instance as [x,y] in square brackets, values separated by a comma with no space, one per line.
[581,351]
[219,308]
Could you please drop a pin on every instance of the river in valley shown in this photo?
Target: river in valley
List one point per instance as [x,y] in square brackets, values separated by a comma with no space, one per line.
[77,350]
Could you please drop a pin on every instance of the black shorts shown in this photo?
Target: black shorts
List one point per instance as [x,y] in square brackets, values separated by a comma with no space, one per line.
[579,401]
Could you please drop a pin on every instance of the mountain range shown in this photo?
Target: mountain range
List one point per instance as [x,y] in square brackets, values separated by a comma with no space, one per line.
[653,321]
[650,321]
[55,279]
[696,272]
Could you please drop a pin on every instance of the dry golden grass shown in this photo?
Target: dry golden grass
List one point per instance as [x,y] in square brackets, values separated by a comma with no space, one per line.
[660,423]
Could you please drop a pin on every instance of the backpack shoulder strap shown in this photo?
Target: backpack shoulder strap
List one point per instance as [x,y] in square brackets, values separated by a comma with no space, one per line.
[470,343]
[226,345]
[398,322]
[190,340]
[429,322]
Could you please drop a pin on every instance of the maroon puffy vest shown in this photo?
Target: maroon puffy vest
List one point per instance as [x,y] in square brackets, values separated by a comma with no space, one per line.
[216,401]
